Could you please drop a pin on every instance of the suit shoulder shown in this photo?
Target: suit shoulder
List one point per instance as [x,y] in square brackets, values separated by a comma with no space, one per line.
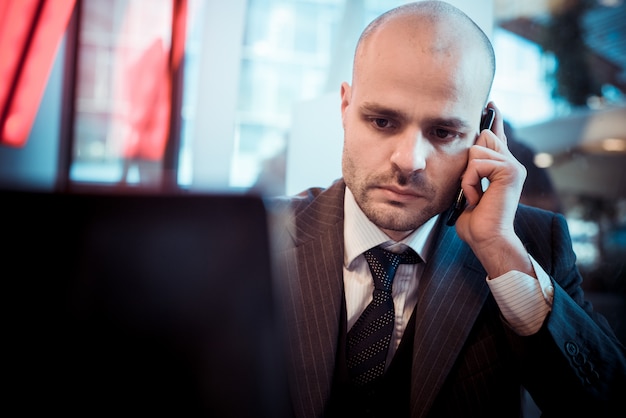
[529,216]
[295,203]
[541,227]
[315,198]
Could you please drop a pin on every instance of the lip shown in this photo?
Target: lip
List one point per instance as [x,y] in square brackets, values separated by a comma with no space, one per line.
[399,193]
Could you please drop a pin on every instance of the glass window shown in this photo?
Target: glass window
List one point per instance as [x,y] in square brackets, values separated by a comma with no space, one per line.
[122,101]
[292,51]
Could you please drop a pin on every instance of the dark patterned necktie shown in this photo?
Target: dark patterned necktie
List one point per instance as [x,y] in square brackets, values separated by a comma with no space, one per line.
[369,337]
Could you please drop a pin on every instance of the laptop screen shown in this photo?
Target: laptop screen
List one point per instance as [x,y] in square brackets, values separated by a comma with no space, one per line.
[142,303]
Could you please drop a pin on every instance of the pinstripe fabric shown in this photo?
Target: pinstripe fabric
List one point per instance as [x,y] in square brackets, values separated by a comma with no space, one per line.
[466,362]
[314,301]
[521,301]
[452,291]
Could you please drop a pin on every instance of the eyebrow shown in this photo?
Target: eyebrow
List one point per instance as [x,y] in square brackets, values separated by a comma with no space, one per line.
[455,123]
[379,110]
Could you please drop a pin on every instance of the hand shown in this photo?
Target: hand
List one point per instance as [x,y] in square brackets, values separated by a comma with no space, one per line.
[487,223]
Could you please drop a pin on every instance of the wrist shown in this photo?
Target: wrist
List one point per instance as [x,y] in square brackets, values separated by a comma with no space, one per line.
[504,255]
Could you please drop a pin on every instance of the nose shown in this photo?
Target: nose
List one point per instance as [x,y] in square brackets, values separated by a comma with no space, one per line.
[410,152]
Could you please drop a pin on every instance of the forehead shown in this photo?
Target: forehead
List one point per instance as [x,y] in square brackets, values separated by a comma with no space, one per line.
[418,60]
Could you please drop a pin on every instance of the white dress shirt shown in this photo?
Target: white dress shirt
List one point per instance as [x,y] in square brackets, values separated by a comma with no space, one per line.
[523,300]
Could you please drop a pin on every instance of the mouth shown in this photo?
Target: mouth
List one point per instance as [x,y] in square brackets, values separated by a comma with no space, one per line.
[399,194]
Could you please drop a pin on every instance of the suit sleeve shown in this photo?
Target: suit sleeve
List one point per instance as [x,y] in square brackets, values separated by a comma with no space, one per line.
[575,363]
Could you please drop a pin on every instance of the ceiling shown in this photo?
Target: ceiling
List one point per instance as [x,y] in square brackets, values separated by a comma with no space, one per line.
[606,34]
[584,162]
[604,27]
[581,164]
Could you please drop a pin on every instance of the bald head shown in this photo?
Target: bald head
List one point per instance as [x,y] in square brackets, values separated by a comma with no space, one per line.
[421,80]
[433,26]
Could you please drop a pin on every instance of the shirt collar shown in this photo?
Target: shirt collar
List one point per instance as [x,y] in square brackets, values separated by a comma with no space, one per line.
[360,234]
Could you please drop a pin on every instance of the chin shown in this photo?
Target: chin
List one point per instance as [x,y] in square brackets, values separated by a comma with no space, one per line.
[398,217]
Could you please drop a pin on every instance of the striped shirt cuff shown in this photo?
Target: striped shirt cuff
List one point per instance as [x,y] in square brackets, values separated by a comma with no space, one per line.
[523,300]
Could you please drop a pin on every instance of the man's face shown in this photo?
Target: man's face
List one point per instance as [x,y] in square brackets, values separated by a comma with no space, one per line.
[409,119]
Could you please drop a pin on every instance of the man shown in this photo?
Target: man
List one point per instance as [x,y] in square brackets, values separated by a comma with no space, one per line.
[492,304]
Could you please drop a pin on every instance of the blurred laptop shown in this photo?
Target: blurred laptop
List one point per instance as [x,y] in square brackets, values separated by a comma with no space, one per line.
[149,304]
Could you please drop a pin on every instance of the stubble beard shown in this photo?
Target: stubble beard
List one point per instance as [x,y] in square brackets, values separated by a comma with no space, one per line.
[393,215]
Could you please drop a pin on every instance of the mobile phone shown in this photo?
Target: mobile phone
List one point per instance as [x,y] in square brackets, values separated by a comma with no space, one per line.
[460,202]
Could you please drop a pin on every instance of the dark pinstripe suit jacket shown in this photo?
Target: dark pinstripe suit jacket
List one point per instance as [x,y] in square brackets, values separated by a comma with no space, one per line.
[466,362]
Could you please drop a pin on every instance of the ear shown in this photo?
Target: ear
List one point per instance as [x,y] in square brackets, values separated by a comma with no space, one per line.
[346,96]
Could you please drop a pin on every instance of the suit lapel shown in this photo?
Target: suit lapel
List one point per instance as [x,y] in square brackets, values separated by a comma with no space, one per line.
[314,293]
[452,291]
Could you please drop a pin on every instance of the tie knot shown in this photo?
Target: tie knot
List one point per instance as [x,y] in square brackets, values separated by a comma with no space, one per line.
[383,265]
[409,256]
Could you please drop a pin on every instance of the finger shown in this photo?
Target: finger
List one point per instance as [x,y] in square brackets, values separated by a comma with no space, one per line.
[490,140]
[496,143]
[479,169]
[491,148]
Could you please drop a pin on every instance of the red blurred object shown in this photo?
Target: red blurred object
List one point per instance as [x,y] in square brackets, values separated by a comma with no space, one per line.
[146,85]
[146,66]
[30,33]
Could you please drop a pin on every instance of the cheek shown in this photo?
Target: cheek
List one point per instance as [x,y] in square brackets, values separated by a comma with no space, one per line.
[364,151]
[350,156]
[354,159]
[449,170]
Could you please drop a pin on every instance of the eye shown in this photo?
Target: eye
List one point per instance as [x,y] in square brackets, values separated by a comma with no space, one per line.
[381,122]
[443,134]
